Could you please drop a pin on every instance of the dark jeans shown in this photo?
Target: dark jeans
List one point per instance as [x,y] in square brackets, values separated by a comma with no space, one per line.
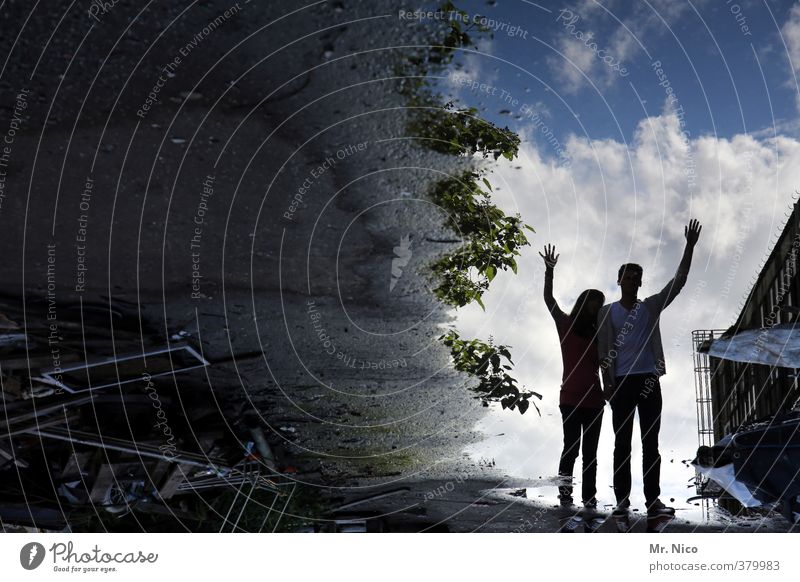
[577,421]
[642,391]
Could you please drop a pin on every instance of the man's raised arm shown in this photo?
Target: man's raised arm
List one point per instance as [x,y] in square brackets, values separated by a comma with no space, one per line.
[692,233]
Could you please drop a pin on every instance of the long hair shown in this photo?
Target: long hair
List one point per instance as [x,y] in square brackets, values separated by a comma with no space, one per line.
[583,323]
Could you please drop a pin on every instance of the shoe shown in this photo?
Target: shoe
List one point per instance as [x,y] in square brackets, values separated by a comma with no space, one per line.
[565,492]
[621,516]
[657,508]
[622,507]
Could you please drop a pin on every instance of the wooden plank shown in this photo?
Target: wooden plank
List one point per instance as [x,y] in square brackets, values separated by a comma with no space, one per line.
[158,471]
[18,462]
[76,466]
[104,480]
[178,475]
[12,386]
[109,475]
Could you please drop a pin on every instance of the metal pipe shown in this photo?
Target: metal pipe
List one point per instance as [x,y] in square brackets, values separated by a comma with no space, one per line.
[141,450]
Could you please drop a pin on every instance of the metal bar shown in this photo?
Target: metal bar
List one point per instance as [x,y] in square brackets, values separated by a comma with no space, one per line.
[375,497]
[244,505]
[188,485]
[285,505]
[108,443]
[39,424]
[124,358]
[228,482]
[266,517]
[76,401]
[225,520]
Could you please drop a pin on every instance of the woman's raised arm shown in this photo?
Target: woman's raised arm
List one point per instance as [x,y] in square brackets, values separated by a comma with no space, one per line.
[550,259]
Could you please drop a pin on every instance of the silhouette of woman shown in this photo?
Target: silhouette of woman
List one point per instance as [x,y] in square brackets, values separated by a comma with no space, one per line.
[581,398]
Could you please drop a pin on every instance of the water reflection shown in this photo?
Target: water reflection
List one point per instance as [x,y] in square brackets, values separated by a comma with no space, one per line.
[528,448]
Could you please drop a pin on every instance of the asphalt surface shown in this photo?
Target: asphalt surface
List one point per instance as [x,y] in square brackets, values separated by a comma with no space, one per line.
[241,179]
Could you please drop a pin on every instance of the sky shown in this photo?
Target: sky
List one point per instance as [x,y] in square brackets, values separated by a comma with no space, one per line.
[634,118]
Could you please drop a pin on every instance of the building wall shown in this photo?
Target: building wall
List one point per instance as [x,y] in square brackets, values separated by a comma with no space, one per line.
[743,392]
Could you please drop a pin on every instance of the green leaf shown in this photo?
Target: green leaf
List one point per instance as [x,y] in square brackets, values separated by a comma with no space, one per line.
[491,271]
[488,184]
[480,302]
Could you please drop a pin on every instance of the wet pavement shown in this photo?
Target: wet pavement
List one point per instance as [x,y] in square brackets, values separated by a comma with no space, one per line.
[250,209]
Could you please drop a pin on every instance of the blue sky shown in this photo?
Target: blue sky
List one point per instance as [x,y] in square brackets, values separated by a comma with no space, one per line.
[610,170]
[727,63]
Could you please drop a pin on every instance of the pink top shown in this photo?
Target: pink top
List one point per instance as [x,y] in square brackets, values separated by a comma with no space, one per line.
[580,384]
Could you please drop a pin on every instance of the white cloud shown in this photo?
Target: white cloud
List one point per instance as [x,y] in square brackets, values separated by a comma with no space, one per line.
[623,45]
[576,65]
[617,29]
[616,203]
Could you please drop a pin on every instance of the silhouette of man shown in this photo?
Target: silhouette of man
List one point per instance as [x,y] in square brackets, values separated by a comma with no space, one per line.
[631,361]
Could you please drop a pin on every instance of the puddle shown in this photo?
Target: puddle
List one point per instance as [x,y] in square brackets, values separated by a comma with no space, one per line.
[702,516]
[527,451]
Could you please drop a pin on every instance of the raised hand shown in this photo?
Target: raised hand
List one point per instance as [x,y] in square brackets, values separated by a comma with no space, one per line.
[692,232]
[550,257]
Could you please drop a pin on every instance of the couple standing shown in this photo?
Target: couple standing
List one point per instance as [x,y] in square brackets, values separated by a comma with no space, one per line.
[623,340]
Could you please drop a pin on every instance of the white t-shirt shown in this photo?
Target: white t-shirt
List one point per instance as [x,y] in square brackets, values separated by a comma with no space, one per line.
[634,354]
